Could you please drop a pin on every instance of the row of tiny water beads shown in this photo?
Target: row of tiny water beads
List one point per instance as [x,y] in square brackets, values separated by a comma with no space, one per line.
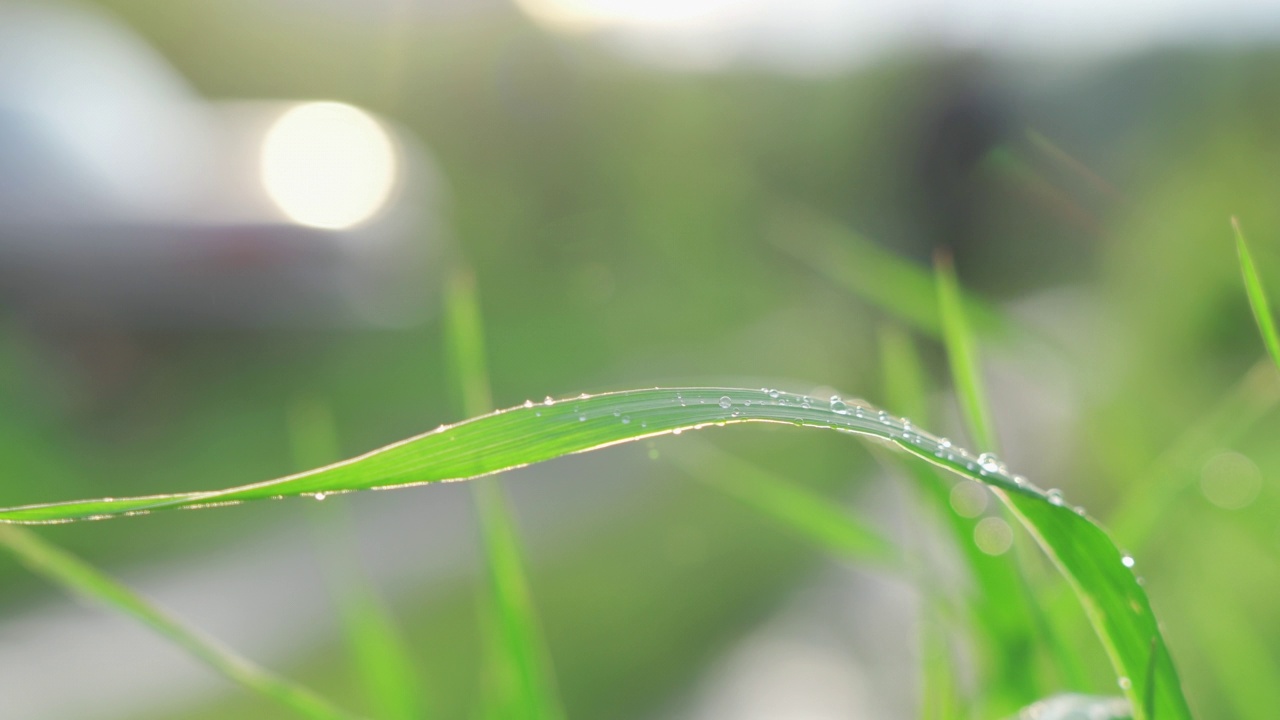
[854,416]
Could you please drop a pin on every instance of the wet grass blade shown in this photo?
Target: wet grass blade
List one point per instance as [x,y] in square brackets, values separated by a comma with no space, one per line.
[521,672]
[80,578]
[1257,296]
[1100,575]
[824,522]
[383,662]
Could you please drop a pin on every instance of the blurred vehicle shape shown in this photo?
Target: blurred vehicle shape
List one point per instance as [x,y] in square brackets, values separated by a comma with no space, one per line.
[126,198]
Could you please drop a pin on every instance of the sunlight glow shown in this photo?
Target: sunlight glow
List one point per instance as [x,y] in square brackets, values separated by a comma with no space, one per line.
[586,15]
[328,165]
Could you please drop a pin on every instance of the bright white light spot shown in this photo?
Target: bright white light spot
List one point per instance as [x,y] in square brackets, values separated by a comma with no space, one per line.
[328,165]
[1230,480]
[993,536]
[585,15]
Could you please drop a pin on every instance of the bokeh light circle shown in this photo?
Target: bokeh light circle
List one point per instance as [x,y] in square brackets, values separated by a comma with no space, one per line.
[328,165]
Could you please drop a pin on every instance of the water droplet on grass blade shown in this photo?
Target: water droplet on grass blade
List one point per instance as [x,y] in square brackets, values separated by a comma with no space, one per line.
[1054,496]
[838,406]
[989,462]
[725,402]
[1126,560]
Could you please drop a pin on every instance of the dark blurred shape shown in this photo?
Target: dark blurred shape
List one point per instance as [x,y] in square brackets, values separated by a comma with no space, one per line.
[126,199]
[962,122]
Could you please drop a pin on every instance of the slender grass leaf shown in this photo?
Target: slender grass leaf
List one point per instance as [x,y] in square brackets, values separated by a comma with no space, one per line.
[77,576]
[1090,561]
[827,524]
[524,684]
[383,662]
[1257,296]
[997,611]
[962,356]
[1100,575]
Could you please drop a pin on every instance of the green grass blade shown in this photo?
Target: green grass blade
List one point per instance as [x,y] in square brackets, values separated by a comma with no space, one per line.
[1099,574]
[1089,560]
[1257,296]
[825,523]
[962,356]
[75,575]
[383,662]
[521,668]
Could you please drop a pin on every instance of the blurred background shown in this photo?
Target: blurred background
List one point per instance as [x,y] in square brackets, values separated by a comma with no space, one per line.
[213,213]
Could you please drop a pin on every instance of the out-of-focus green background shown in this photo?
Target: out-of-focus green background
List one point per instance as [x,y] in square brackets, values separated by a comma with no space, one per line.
[634,225]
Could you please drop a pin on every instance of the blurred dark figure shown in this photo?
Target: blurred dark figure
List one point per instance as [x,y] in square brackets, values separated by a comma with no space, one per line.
[961,124]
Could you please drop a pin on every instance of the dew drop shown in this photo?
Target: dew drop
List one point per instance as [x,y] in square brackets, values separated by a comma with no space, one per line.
[582,418]
[884,418]
[725,402]
[774,394]
[626,420]
[1125,683]
[548,400]
[1126,560]
[677,431]
[319,496]
[1054,495]
[989,462]
[838,406]
[528,403]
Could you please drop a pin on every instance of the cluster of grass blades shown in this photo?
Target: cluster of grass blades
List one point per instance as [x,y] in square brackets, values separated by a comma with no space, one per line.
[1100,575]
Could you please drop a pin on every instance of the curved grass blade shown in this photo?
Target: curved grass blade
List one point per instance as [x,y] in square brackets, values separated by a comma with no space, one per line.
[383,662]
[1257,295]
[74,574]
[522,678]
[1099,574]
